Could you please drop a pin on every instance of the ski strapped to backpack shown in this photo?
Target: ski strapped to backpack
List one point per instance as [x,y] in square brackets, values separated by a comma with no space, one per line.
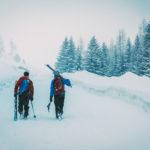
[50,67]
[54,71]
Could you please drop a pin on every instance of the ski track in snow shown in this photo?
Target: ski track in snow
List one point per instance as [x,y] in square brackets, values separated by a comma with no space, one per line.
[129,96]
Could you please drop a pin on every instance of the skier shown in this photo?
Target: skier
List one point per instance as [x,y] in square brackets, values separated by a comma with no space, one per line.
[57,89]
[25,90]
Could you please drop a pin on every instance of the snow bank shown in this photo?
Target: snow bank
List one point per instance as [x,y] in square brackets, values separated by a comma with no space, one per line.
[128,80]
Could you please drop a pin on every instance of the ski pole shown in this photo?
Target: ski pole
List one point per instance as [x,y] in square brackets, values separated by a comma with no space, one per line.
[33,110]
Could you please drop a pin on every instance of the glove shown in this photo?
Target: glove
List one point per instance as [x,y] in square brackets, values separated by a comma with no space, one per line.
[51,98]
[31,98]
[15,95]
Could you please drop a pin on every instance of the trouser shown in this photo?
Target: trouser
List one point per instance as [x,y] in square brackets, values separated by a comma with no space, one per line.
[23,104]
[59,104]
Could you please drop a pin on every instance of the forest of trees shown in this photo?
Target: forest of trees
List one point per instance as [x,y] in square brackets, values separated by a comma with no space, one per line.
[116,59]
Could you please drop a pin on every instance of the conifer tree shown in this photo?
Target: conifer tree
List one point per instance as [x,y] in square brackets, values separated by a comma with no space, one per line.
[61,63]
[92,56]
[79,59]
[120,50]
[71,59]
[128,56]
[145,65]
[137,56]
[104,59]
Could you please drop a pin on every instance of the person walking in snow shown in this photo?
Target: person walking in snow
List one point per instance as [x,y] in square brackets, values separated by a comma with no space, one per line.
[57,90]
[24,89]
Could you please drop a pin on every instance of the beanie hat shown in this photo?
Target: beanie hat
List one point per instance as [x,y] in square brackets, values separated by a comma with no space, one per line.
[26,73]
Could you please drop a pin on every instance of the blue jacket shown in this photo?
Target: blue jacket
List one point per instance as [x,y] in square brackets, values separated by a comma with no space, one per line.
[52,89]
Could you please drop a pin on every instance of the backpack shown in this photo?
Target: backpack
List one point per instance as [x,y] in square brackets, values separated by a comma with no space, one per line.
[24,86]
[58,86]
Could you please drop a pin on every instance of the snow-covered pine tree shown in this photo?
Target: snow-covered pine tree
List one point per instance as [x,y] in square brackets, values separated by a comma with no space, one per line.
[92,57]
[79,59]
[120,49]
[84,55]
[104,60]
[66,59]
[137,56]
[71,60]
[142,30]
[115,71]
[145,65]
[111,59]
[61,63]
[128,56]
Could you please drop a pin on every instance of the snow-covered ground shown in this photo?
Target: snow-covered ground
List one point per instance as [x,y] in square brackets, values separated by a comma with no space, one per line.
[99,114]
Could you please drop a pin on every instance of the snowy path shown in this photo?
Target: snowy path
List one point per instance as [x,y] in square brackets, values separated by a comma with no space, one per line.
[92,121]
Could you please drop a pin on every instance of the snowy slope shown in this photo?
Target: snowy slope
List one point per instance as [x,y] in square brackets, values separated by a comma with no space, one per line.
[99,113]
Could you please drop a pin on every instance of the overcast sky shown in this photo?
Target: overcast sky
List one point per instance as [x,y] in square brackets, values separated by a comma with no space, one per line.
[38,27]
